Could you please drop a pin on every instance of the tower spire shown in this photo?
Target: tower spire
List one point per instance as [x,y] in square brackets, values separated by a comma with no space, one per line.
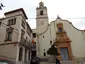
[41,4]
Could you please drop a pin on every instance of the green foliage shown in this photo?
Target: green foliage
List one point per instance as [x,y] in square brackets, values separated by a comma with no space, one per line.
[53,51]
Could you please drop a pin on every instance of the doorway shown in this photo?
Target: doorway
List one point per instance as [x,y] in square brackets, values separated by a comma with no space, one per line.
[64,54]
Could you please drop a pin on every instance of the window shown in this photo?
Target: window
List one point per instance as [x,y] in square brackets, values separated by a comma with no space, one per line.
[9,34]
[23,40]
[34,42]
[44,54]
[22,33]
[50,42]
[20,54]
[59,29]
[23,24]
[12,21]
[34,35]
[28,31]
[26,40]
[41,12]
[43,36]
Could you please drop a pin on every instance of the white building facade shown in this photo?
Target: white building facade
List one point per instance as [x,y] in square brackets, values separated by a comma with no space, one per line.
[15,37]
[69,40]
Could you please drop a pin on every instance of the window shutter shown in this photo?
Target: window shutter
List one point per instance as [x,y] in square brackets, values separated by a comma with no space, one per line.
[14,21]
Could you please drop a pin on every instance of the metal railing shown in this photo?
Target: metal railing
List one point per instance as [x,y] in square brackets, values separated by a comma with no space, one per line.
[25,43]
[34,46]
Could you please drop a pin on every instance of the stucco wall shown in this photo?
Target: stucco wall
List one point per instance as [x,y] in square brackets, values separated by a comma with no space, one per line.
[44,42]
[15,14]
[8,51]
[16,30]
[11,50]
[41,27]
[76,37]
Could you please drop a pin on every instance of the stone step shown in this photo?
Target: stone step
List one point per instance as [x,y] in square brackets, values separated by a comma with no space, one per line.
[61,62]
[66,62]
[51,60]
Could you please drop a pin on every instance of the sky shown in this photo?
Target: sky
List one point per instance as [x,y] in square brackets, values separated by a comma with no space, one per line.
[72,10]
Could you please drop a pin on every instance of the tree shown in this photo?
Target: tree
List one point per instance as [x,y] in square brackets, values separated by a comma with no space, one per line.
[53,51]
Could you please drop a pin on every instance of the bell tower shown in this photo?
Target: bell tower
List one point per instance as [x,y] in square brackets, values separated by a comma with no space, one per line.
[41,18]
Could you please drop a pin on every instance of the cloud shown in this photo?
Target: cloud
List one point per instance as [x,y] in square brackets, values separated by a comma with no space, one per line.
[64,8]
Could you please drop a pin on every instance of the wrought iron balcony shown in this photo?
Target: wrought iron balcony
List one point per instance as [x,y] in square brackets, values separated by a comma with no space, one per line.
[25,43]
[33,46]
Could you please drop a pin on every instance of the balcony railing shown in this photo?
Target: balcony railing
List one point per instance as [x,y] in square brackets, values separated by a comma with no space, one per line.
[25,43]
[34,46]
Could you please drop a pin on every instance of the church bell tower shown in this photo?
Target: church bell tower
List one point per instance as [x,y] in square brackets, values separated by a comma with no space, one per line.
[41,18]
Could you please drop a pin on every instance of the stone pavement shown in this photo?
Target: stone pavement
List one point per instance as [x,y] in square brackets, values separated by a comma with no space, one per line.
[46,63]
[51,60]
[62,62]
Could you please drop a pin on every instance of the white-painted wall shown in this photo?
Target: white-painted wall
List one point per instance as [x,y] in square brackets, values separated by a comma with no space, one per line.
[12,51]
[9,50]
[76,36]
[44,43]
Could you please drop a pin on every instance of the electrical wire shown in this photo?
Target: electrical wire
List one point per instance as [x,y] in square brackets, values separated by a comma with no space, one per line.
[64,18]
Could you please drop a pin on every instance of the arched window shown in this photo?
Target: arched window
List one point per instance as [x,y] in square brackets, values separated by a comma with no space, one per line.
[41,12]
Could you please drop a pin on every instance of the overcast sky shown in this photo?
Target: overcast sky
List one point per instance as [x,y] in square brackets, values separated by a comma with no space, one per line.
[72,10]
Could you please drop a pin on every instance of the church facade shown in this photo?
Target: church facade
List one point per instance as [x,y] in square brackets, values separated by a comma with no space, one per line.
[68,39]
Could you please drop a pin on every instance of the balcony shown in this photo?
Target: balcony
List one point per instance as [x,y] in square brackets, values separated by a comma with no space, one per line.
[33,46]
[25,43]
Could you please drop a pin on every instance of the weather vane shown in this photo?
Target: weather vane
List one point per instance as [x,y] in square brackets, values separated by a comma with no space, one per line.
[1,5]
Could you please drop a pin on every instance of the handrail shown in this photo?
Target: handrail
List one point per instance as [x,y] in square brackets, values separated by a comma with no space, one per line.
[25,43]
